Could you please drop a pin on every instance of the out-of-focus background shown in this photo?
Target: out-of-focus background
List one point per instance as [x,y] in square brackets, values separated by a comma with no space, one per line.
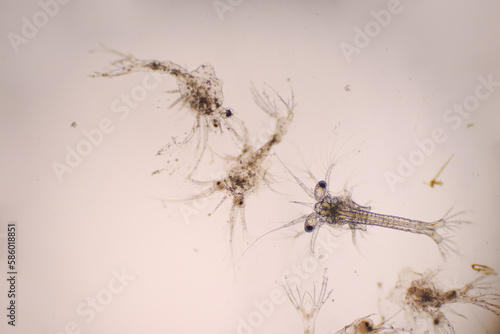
[379,87]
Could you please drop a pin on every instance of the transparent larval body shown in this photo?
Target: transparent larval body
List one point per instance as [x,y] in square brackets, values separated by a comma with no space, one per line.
[201,92]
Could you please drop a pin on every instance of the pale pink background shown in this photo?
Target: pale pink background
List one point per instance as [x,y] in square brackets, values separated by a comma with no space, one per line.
[74,234]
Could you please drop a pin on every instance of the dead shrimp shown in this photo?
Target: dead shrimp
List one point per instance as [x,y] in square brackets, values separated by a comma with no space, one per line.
[366,325]
[247,171]
[201,91]
[423,298]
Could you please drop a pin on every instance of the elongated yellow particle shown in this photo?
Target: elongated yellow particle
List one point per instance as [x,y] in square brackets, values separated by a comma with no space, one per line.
[434,181]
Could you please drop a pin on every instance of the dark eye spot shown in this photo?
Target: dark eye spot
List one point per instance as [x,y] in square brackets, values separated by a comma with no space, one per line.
[308,228]
[155,65]
[229,113]
[436,321]
[368,326]
[239,201]
[322,184]
[450,295]
[220,185]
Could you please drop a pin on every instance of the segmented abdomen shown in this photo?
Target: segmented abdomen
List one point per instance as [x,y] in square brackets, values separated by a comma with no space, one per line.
[356,216]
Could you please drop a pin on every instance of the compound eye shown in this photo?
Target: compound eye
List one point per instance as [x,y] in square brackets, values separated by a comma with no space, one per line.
[219,185]
[364,326]
[229,113]
[310,224]
[215,123]
[320,191]
[239,201]
[368,325]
